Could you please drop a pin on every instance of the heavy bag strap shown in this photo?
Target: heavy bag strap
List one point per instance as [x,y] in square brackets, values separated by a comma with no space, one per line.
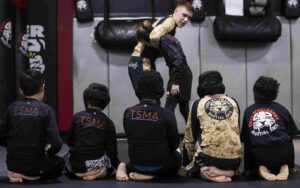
[153,10]
[258,7]
[106,11]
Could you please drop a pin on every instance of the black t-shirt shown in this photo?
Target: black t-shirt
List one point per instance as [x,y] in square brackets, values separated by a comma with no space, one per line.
[152,134]
[91,135]
[26,128]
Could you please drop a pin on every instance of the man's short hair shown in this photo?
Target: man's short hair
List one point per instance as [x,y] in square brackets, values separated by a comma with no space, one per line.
[31,82]
[187,4]
[209,83]
[266,89]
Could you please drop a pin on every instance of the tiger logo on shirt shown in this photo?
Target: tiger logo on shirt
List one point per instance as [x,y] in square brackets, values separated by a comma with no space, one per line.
[263,122]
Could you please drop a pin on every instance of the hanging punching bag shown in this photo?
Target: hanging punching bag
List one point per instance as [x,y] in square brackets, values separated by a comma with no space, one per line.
[7,70]
[41,45]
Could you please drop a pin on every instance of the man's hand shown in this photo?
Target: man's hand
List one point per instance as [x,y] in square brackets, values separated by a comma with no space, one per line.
[47,147]
[175,89]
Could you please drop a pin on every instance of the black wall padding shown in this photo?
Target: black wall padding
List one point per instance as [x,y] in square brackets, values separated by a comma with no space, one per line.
[41,28]
[7,69]
[20,55]
[137,8]
[117,34]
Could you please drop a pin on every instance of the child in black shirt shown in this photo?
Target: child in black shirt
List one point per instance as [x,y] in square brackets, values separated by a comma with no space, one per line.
[92,138]
[29,132]
[267,133]
[152,132]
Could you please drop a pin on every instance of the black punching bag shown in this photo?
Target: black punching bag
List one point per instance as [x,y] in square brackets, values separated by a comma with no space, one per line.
[7,68]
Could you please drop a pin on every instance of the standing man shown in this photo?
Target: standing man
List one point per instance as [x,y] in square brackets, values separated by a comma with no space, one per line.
[161,41]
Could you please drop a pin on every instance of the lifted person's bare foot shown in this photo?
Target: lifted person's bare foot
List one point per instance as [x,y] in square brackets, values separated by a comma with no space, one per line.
[264,173]
[283,173]
[93,174]
[140,177]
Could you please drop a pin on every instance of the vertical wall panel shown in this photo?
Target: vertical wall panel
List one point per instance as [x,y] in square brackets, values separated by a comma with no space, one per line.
[64,41]
[90,62]
[189,37]
[239,63]
[121,91]
[228,59]
[295,57]
[272,60]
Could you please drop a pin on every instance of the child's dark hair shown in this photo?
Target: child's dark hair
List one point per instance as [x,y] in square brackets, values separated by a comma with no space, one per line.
[265,89]
[31,82]
[150,85]
[209,83]
[97,95]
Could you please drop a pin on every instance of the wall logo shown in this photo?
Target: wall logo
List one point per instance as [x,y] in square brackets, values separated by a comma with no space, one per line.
[35,46]
[263,122]
[23,43]
[82,5]
[197,4]
[5,33]
[219,109]
[292,3]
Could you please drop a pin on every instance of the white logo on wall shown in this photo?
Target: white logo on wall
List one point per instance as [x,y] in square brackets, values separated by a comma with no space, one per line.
[293,3]
[82,5]
[5,29]
[24,44]
[263,123]
[197,4]
[35,45]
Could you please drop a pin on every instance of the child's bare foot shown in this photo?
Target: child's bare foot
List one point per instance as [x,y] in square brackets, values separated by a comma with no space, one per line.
[121,173]
[283,173]
[15,177]
[214,171]
[218,179]
[264,173]
[140,177]
[93,174]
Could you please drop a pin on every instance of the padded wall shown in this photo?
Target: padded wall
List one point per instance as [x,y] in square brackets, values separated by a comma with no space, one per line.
[240,64]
